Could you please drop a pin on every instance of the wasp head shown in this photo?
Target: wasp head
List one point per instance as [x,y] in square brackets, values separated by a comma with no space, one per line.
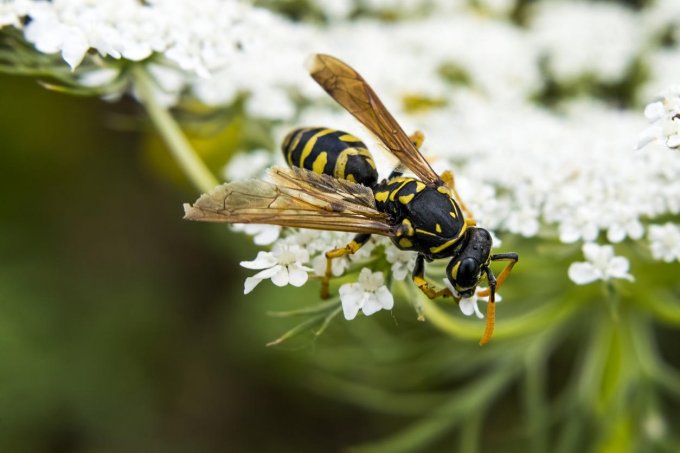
[469,264]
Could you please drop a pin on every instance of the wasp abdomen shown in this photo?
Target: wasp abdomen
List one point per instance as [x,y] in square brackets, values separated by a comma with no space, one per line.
[331,152]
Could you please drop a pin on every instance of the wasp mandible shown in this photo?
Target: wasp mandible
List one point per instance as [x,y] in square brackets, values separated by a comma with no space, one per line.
[333,185]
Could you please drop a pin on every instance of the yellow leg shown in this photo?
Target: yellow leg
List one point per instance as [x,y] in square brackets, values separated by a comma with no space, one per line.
[450,182]
[350,249]
[429,291]
[423,285]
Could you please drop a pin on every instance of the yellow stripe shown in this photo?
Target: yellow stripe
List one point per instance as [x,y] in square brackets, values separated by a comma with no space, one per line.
[449,243]
[429,233]
[382,196]
[309,146]
[349,138]
[403,242]
[320,162]
[401,186]
[294,144]
[406,199]
[454,270]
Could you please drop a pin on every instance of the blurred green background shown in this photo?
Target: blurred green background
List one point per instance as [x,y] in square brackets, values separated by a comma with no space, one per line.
[122,327]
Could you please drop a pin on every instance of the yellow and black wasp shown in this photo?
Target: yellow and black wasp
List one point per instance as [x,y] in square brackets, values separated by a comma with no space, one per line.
[333,185]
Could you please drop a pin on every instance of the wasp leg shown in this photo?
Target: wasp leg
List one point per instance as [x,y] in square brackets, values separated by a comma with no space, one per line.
[423,285]
[450,182]
[494,284]
[490,308]
[513,258]
[357,242]
[417,138]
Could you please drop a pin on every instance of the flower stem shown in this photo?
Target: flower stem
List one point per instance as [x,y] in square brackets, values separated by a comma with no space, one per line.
[180,148]
[536,320]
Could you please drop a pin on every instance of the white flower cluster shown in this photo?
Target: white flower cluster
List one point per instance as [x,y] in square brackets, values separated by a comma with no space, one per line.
[200,36]
[583,39]
[664,116]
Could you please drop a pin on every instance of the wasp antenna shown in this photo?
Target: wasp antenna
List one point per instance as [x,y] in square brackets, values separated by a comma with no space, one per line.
[490,309]
[490,320]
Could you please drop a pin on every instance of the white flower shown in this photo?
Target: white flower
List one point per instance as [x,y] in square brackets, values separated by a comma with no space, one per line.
[369,295]
[664,116]
[247,165]
[338,265]
[12,11]
[402,261]
[262,234]
[601,265]
[283,265]
[665,242]
[468,305]
[582,38]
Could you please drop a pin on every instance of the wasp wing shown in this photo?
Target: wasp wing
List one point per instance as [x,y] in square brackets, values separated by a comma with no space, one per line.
[294,198]
[351,91]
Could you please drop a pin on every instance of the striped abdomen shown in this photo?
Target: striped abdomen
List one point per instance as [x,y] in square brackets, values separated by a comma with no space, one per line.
[331,152]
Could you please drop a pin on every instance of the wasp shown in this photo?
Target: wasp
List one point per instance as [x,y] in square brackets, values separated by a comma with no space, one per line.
[332,184]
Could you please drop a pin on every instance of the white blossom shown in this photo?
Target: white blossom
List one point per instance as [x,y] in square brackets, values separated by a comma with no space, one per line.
[581,38]
[402,261]
[369,295]
[601,264]
[468,305]
[261,234]
[664,116]
[665,242]
[247,165]
[283,265]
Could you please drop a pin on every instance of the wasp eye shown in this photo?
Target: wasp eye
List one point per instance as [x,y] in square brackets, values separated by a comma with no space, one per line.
[468,270]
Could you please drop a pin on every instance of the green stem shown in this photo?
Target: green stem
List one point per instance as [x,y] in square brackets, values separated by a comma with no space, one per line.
[536,320]
[180,148]
[471,432]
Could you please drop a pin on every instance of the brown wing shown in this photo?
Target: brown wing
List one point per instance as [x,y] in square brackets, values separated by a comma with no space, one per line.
[294,198]
[351,91]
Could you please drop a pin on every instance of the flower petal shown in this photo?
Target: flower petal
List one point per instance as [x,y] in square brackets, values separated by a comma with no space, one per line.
[370,304]
[250,284]
[281,277]
[384,297]
[350,297]
[267,273]
[583,273]
[468,305]
[263,260]
[297,275]
[618,268]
